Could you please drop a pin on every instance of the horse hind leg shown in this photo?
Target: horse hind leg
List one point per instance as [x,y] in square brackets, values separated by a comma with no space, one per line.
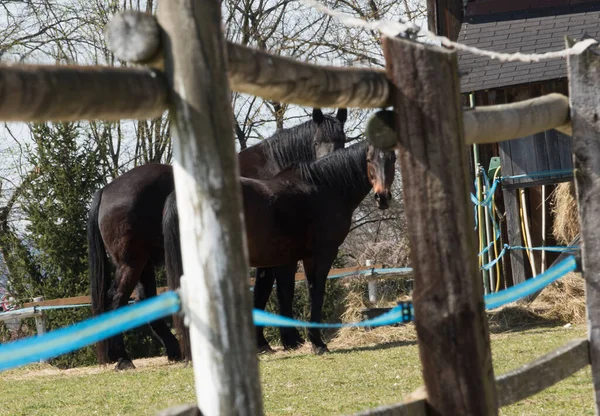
[286,282]
[263,284]
[147,289]
[120,292]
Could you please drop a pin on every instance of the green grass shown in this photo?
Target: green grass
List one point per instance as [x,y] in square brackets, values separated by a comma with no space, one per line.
[343,382]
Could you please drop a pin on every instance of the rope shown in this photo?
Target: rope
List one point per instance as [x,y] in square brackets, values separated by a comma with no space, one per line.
[392,29]
[530,286]
[71,338]
[401,313]
[506,248]
[65,340]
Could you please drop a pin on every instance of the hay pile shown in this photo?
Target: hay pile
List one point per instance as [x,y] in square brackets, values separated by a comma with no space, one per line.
[355,302]
[562,302]
[564,209]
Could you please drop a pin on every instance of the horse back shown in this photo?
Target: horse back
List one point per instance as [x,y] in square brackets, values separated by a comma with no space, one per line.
[130,217]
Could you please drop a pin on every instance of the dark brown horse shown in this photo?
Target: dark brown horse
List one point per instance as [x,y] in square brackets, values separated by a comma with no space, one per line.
[125,221]
[304,213]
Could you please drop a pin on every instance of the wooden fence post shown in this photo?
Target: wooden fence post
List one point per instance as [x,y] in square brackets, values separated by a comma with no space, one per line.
[40,321]
[372,283]
[215,284]
[448,293]
[584,80]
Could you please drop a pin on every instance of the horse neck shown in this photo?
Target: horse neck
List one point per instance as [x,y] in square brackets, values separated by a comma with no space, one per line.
[343,172]
[289,146]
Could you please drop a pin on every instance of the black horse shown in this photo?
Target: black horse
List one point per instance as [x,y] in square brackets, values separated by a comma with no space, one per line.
[303,213]
[126,215]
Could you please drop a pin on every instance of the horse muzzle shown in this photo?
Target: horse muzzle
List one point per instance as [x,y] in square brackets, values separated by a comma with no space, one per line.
[383,199]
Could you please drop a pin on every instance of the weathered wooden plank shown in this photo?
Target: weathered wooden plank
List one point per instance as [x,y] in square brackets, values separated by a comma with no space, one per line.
[75,300]
[299,276]
[543,372]
[515,238]
[181,410]
[496,123]
[584,79]
[67,93]
[410,408]
[215,294]
[448,293]
[537,375]
[260,73]
[20,314]
[493,123]
[445,17]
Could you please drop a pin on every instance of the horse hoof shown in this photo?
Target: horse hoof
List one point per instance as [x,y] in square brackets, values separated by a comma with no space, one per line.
[294,344]
[320,350]
[175,358]
[124,364]
[265,349]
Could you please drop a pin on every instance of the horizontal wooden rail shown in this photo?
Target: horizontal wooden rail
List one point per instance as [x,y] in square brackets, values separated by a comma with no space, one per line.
[299,276]
[513,386]
[410,408]
[36,93]
[543,372]
[496,123]
[489,124]
[19,314]
[134,37]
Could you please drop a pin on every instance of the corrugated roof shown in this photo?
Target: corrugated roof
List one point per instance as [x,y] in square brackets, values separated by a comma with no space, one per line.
[527,31]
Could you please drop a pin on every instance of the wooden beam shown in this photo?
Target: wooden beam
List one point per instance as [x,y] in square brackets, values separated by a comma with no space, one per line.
[214,288]
[299,277]
[19,314]
[496,123]
[260,73]
[531,378]
[76,300]
[491,123]
[584,79]
[445,17]
[515,237]
[543,372]
[448,293]
[36,93]
[409,408]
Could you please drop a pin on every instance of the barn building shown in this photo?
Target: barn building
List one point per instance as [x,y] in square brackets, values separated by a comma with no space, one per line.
[527,26]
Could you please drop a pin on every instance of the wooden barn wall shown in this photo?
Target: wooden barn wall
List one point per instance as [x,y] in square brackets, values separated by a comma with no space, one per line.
[545,151]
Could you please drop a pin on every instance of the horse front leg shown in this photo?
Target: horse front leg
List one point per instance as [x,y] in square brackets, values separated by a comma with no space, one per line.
[316,270]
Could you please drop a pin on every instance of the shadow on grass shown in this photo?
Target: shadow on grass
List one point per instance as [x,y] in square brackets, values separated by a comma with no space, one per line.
[517,318]
[382,346]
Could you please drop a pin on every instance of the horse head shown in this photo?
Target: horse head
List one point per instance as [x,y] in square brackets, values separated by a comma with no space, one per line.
[329,134]
[381,168]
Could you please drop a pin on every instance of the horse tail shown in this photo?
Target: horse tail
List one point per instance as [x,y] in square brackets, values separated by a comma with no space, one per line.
[174,267]
[99,271]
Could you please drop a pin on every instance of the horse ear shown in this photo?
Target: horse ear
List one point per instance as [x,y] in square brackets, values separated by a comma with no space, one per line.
[317,115]
[342,115]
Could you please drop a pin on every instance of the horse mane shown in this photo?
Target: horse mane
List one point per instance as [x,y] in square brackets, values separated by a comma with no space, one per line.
[290,145]
[344,170]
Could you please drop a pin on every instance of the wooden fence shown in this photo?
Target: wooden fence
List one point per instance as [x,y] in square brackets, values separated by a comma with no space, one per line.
[76,300]
[188,75]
